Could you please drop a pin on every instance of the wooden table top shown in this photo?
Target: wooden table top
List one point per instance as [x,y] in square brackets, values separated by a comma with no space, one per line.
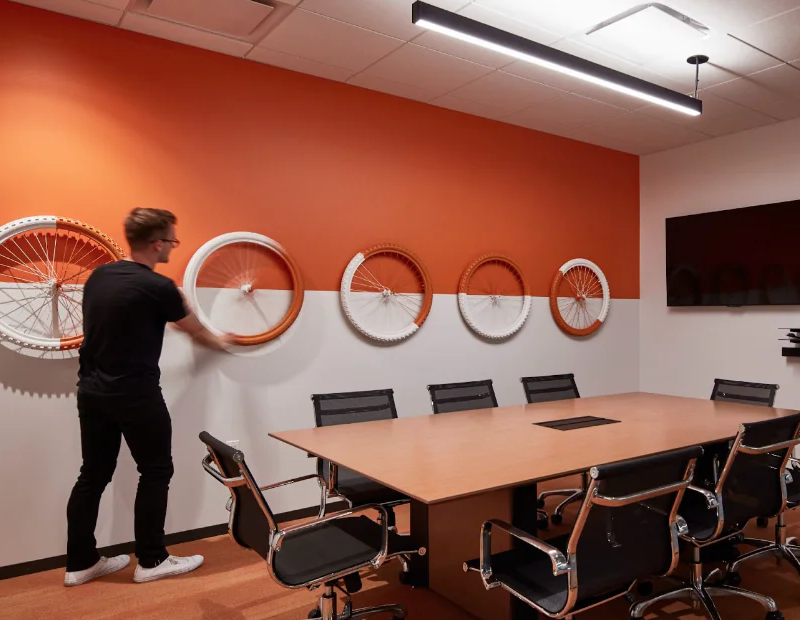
[435,458]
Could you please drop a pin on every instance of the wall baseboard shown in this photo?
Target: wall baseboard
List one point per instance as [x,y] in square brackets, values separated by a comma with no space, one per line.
[60,561]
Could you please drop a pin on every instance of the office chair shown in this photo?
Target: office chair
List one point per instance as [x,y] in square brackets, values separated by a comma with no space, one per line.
[449,397]
[761,394]
[343,483]
[746,393]
[749,486]
[547,389]
[328,552]
[627,529]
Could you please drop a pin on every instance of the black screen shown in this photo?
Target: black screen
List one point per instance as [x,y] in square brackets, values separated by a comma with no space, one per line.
[738,257]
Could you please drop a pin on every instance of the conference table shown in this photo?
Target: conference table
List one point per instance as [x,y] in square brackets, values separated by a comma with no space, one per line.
[462,468]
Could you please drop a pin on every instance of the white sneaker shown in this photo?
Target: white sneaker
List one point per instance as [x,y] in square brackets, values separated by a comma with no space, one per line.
[168,568]
[104,566]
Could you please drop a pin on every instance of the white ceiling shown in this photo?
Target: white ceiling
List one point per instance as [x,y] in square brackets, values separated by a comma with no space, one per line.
[752,79]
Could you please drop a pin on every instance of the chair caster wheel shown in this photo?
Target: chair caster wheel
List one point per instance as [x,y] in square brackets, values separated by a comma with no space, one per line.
[315,613]
[405,578]
[762,522]
[774,615]
[733,579]
[540,503]
[542,523]
[644,588]
[556,519]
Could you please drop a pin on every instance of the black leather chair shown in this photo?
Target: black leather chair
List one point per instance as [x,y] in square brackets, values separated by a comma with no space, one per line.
[327,552]
[627,529]
[351,408]
[750,485]
[548,389]
[449,397]
[760,394]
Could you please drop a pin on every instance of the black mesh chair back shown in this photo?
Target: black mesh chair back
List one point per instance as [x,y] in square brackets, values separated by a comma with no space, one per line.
[449,397]
[251,521]
[752,483]
[626,529]
[761,394]
[351,408]
[550,388]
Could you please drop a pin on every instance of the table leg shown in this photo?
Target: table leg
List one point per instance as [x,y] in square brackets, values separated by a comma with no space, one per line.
[523,515]
[419,535]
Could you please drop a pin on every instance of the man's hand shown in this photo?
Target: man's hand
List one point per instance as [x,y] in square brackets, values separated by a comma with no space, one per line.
[193,327]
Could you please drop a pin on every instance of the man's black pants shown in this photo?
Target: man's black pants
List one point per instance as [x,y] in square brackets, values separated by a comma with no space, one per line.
[144,421]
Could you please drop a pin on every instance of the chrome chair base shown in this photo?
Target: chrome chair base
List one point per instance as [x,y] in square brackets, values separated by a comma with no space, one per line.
[698,590]
[327,609]
[781,548]
[572,496]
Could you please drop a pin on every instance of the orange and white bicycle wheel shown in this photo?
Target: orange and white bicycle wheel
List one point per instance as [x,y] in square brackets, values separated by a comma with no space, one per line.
[494,297]
[579,297]
[245,284]
[44,263]
[386,293]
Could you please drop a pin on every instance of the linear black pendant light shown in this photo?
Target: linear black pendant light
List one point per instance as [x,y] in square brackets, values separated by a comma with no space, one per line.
[460,27]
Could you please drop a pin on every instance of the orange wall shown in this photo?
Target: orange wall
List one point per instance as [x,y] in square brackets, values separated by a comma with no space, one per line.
[95,120]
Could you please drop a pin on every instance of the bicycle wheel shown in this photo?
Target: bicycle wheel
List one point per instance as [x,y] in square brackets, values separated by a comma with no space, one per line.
[386,293]
[244,284]
[44,263]
[579,297]
[494,297]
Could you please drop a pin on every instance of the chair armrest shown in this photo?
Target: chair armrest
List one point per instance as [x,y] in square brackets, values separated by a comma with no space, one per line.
[277,539]
[558,559]
[711,498]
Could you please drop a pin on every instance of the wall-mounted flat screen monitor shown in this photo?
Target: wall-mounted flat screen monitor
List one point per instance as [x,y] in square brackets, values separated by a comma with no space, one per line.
[737,257]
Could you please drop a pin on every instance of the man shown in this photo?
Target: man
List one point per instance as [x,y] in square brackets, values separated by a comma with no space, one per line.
[126,306]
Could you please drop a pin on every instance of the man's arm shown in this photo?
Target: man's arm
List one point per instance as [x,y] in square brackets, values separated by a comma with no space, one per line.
[191,326]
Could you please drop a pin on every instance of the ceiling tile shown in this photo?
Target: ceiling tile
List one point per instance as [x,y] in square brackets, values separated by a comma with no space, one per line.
[728,15]
[79,8]
[469,107]
[390,87]
[391,17]
[308,35]
[762,88]
[566,111]
[720,116]
[462,49]
[434,71]
[271,57]
[183,34]
[507,22]
[505,92]
[784,110]
[114,4]
[655,134]
[558,16]
[728,59]
[588,135]
[779,35]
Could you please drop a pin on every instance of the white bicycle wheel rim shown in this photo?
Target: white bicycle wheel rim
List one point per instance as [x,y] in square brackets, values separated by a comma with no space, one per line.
[582,262]
[349,310]
[204,252]
[21,226]
[498,334]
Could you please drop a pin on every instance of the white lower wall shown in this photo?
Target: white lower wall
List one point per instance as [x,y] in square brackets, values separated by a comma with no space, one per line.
[246,397]
[684,349]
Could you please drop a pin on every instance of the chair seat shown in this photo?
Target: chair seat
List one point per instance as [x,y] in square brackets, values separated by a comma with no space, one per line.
[530,573]
[333,547]
[360,490]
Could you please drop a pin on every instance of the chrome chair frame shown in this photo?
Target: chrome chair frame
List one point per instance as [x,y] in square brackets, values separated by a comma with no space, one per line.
[327,604]
[567,565]
[696,587]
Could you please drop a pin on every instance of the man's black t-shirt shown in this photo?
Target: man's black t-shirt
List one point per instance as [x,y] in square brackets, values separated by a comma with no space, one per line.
[126,306]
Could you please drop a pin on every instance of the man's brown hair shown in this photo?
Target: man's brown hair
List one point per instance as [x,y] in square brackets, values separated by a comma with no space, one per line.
[143,226]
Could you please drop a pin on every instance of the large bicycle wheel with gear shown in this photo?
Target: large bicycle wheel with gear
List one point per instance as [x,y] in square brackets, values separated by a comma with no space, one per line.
[244,284]
[44,262]
[579,297]
[494,297]
[386,293]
